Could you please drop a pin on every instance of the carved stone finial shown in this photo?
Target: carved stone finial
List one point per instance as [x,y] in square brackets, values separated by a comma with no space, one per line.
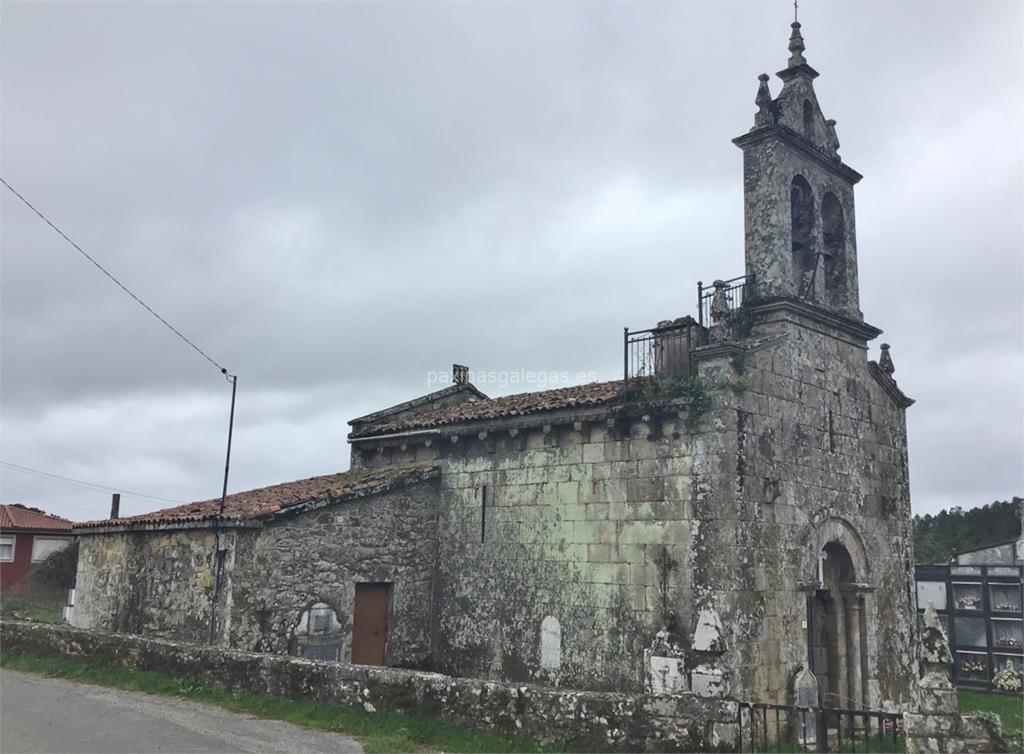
[460,374]
[833,138]
[765,116]
[885,361]
[796,46]
[719,312]
[719,302]
[935,655]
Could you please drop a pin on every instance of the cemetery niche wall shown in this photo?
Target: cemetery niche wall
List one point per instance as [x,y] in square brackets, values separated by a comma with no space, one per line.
[979,601]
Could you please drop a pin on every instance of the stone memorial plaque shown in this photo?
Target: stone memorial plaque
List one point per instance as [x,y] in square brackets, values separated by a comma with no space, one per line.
[667,676]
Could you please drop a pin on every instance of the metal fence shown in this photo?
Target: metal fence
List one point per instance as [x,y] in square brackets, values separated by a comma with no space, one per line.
[733,293]
[659,353]
[663,352]
[789,728]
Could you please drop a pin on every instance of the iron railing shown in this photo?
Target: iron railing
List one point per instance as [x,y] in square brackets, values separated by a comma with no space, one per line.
[733,293]
[659,353]
[663,352]
[789,728]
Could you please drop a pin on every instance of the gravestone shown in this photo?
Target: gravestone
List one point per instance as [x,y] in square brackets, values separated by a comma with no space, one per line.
[666,670]
[805,688]
[318,634]
[667,676]
[707,637]
[550,643]
[708,679]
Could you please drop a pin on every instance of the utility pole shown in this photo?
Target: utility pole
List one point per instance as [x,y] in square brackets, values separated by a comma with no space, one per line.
[220,547]
[233,379]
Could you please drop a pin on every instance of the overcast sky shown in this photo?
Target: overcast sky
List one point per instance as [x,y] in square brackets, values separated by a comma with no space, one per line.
[335,199]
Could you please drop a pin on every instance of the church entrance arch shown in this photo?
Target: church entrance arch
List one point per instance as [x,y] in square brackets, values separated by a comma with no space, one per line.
[836,631]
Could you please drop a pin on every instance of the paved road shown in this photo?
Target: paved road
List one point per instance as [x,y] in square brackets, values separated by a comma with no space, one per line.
[39,714]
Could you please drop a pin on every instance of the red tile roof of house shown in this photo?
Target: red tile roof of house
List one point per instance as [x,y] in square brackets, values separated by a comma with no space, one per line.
[266,501]
[594,394]
[17,517]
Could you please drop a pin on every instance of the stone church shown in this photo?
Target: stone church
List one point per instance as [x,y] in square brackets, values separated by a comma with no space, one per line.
[731,514]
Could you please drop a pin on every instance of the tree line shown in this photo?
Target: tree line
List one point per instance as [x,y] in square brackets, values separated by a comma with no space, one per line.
[937,537]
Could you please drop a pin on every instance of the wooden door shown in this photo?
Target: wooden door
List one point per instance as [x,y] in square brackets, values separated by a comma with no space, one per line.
[821,640]
[370,623]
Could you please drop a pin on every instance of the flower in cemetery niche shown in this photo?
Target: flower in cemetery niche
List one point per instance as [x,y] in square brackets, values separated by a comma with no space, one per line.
[1009,678]
[1006,633]
[968,602]
[974,666]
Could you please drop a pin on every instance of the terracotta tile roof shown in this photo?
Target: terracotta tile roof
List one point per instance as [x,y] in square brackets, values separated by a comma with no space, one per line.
[594,394]
[21,517]
[265,501]
[473,393]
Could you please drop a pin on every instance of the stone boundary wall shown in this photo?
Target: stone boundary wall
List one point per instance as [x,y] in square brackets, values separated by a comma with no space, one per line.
[954,733]
[580,720]
[936,725]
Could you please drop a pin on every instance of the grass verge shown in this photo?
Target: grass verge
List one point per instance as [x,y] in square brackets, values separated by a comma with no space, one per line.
[378,732]
[37,609]
[1009,707]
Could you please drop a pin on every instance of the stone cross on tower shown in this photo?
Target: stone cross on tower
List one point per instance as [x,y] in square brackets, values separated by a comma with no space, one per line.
[799,214]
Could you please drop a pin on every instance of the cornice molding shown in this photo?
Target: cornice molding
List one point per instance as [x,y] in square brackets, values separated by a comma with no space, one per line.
[799,144]
[860,330]
[888,384]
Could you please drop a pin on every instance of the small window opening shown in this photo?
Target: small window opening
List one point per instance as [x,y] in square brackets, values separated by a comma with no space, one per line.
[808,117]
[483,513]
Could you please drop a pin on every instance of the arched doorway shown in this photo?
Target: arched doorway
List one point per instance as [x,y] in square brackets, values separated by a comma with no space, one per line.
[836,632]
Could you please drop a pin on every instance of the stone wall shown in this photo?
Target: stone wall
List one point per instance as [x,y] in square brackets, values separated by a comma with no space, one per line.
[813,451]
[590,528]
[580,720]
[624,522]
[583,525]
[155,582]
[161,583]
[578,547]
[281,569]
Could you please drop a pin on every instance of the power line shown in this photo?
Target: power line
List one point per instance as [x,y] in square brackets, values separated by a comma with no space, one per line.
[119,284]
[83,483]
[8,491]
[233,379]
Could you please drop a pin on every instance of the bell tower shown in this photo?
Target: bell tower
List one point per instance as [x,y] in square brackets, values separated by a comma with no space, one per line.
[798,196]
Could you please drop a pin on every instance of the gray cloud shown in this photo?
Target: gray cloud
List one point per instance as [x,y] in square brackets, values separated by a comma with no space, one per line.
[335,199]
